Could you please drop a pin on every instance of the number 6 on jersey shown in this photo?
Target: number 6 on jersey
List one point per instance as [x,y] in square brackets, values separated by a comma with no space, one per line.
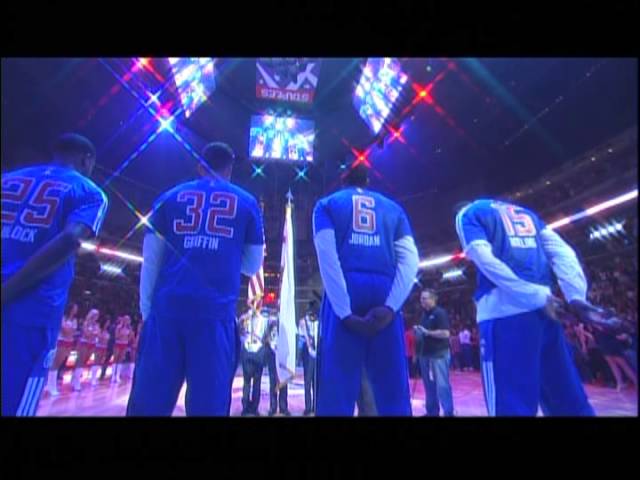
[364,217]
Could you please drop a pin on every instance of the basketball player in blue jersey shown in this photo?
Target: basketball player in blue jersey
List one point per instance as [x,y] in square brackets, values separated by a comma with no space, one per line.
[46,212]
[525,359]
[203,234]
[368,263]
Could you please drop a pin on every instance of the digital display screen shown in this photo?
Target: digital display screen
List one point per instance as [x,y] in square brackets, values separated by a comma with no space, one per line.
[195,79]
[281,138]
[380,85]
[287,79]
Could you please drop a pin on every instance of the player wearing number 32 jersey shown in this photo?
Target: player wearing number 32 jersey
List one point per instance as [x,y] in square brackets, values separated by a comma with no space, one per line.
[203,235]
[46,211]
[525,359]
[368,263]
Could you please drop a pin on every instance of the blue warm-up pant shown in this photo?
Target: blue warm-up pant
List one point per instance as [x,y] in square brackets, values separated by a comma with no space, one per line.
[27,354]
[200,350]
[526,363]
[342,355]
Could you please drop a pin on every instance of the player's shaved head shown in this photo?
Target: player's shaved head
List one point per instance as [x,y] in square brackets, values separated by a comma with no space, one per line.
[76,151]
[357,176]
[220,157]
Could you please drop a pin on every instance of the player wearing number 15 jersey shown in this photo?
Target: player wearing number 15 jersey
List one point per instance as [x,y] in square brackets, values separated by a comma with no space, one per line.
[203,234]
[368,263]
[525,359]
[46,212]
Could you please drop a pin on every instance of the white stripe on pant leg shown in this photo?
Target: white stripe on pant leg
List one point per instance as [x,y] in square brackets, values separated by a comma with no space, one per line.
[31,409]
[492,384]
[489,383]
[485,385]
[35,392]
[492,389]
[25,396]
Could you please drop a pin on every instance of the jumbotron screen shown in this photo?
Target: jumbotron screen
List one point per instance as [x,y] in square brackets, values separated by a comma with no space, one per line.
[281,138]
[380,85]
[195,79]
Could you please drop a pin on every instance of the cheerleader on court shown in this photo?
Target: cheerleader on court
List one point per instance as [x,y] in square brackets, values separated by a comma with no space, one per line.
[86,346]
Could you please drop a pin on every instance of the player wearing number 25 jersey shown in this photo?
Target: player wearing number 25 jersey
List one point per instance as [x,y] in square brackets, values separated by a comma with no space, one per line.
[525,359]
[203,234]
[46,212]
[368,260]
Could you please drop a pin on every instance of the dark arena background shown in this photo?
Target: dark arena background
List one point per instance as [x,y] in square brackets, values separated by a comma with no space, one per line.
[556,135]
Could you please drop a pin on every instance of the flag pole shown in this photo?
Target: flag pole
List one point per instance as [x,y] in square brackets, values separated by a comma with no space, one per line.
[288,217]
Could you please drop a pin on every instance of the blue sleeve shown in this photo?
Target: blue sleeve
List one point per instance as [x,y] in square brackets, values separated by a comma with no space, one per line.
[321,218]
[403,228]
[255,227]
[88,206]
[469,226]
[157,221]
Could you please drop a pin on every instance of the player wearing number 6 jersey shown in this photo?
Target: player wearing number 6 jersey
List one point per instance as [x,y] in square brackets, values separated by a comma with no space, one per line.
[203,234]
[368,263]
[46,212]
[525,359]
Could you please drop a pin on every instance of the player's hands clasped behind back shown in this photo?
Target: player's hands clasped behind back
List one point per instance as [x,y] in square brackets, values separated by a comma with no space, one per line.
[553,307]
[594,315]
[376,319]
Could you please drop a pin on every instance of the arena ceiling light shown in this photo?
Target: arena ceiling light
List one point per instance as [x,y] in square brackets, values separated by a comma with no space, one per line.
[114,253]
[435,261]
[606,231]
[378,90]
[595,209]
[453,274]
[111,269]
[195,80]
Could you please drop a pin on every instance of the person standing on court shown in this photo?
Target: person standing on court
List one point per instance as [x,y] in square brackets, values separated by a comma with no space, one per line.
[526,362]
[368,263]
[434,358]
[308,330]
[203,234]
[47,210]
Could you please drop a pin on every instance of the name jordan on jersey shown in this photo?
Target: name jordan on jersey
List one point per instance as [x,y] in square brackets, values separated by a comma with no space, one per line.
[364,240]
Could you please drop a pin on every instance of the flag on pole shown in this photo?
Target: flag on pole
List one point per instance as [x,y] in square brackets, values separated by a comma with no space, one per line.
[256,290]
[286,350]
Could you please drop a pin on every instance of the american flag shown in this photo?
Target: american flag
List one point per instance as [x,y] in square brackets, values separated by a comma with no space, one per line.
[256,290]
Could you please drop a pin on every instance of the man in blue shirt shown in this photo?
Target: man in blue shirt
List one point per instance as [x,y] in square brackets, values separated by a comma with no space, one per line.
[203,235]
[46,212]
[525,359]
[368,263]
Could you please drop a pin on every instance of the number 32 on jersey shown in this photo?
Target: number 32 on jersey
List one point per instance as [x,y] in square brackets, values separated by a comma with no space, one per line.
[223,205]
